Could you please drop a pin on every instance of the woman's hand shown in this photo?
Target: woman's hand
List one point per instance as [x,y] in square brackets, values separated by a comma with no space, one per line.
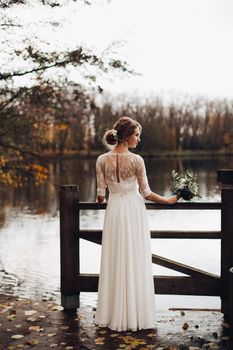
[173,199]
[154,197]
[100,199]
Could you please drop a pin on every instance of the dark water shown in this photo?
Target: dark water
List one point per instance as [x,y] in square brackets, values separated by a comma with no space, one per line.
[29,228]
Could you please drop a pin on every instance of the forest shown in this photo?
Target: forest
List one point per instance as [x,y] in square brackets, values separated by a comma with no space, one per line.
[45,113]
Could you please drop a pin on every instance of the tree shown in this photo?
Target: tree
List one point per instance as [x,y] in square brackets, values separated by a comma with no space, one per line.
[49,97]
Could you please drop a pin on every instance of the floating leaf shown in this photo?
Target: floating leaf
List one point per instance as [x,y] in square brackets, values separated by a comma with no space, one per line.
[102,332]
[225,337]
[185,326]
[36,328]
[99,341]
[11,317]
[31,319]
[81,317]
[57,308]
[29,312]
[64,328]
[32,342]
[114,335]
[69,347]
[53,345]
[17,336]
[51,334]
[225,325]
[152,335]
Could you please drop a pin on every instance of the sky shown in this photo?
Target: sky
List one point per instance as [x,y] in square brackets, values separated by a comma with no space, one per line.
[177,46]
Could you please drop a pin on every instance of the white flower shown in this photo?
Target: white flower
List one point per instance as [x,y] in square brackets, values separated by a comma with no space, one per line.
[114,133]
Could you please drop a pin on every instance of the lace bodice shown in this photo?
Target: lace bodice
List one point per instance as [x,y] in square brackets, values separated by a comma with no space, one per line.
[118,167]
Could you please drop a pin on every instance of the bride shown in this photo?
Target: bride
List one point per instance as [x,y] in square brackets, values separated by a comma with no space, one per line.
[126,289]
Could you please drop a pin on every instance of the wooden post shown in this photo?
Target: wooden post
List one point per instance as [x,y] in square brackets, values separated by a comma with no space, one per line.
[69,245]
[231,302]
[225,177]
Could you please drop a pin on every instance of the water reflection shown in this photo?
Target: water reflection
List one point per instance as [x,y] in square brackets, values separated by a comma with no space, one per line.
[29,225]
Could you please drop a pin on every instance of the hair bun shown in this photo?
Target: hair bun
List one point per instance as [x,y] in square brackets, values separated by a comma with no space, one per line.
[110,137]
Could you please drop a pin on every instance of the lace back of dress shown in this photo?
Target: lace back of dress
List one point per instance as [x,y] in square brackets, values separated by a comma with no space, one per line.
[119,167]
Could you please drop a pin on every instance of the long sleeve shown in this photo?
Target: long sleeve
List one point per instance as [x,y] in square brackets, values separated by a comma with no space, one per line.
[142,177]
[101,184]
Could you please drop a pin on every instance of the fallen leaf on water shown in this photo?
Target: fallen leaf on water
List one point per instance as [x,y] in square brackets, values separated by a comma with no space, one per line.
[11,347]
[99,341]
[53,345]
[137,342]
[57,308]
[80,317]
[225,337]
[114,335]
[32,342]
[225,325]
[127,338]
[8,329]
[64,328]
[20,346]
[102,332]
[30,312]
[17,336]
[69,347]
[31,319]
[18,325]
[213,346]
[185,326]
[4,305]
[152,335]
[11,317]
[51,334]
[36,328]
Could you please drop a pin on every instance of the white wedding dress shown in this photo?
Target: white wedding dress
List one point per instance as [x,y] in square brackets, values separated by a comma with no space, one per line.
[126,290]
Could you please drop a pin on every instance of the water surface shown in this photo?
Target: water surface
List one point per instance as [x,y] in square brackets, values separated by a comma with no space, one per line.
[29,229]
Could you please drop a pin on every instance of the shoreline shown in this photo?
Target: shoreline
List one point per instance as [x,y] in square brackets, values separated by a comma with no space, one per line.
[158,155]
[27,323]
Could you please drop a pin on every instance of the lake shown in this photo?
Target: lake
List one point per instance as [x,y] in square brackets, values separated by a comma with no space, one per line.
[29,229]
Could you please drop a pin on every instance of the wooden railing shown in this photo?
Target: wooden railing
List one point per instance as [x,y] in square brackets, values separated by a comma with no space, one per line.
[198,282]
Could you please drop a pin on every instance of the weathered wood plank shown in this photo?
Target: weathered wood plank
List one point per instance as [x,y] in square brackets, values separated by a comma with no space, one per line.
[69,245]
[96,235]
[177,266]
[163,285]
[177,206]
[225,177]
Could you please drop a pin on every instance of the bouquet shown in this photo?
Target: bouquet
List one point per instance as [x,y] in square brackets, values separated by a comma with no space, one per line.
[185,184]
